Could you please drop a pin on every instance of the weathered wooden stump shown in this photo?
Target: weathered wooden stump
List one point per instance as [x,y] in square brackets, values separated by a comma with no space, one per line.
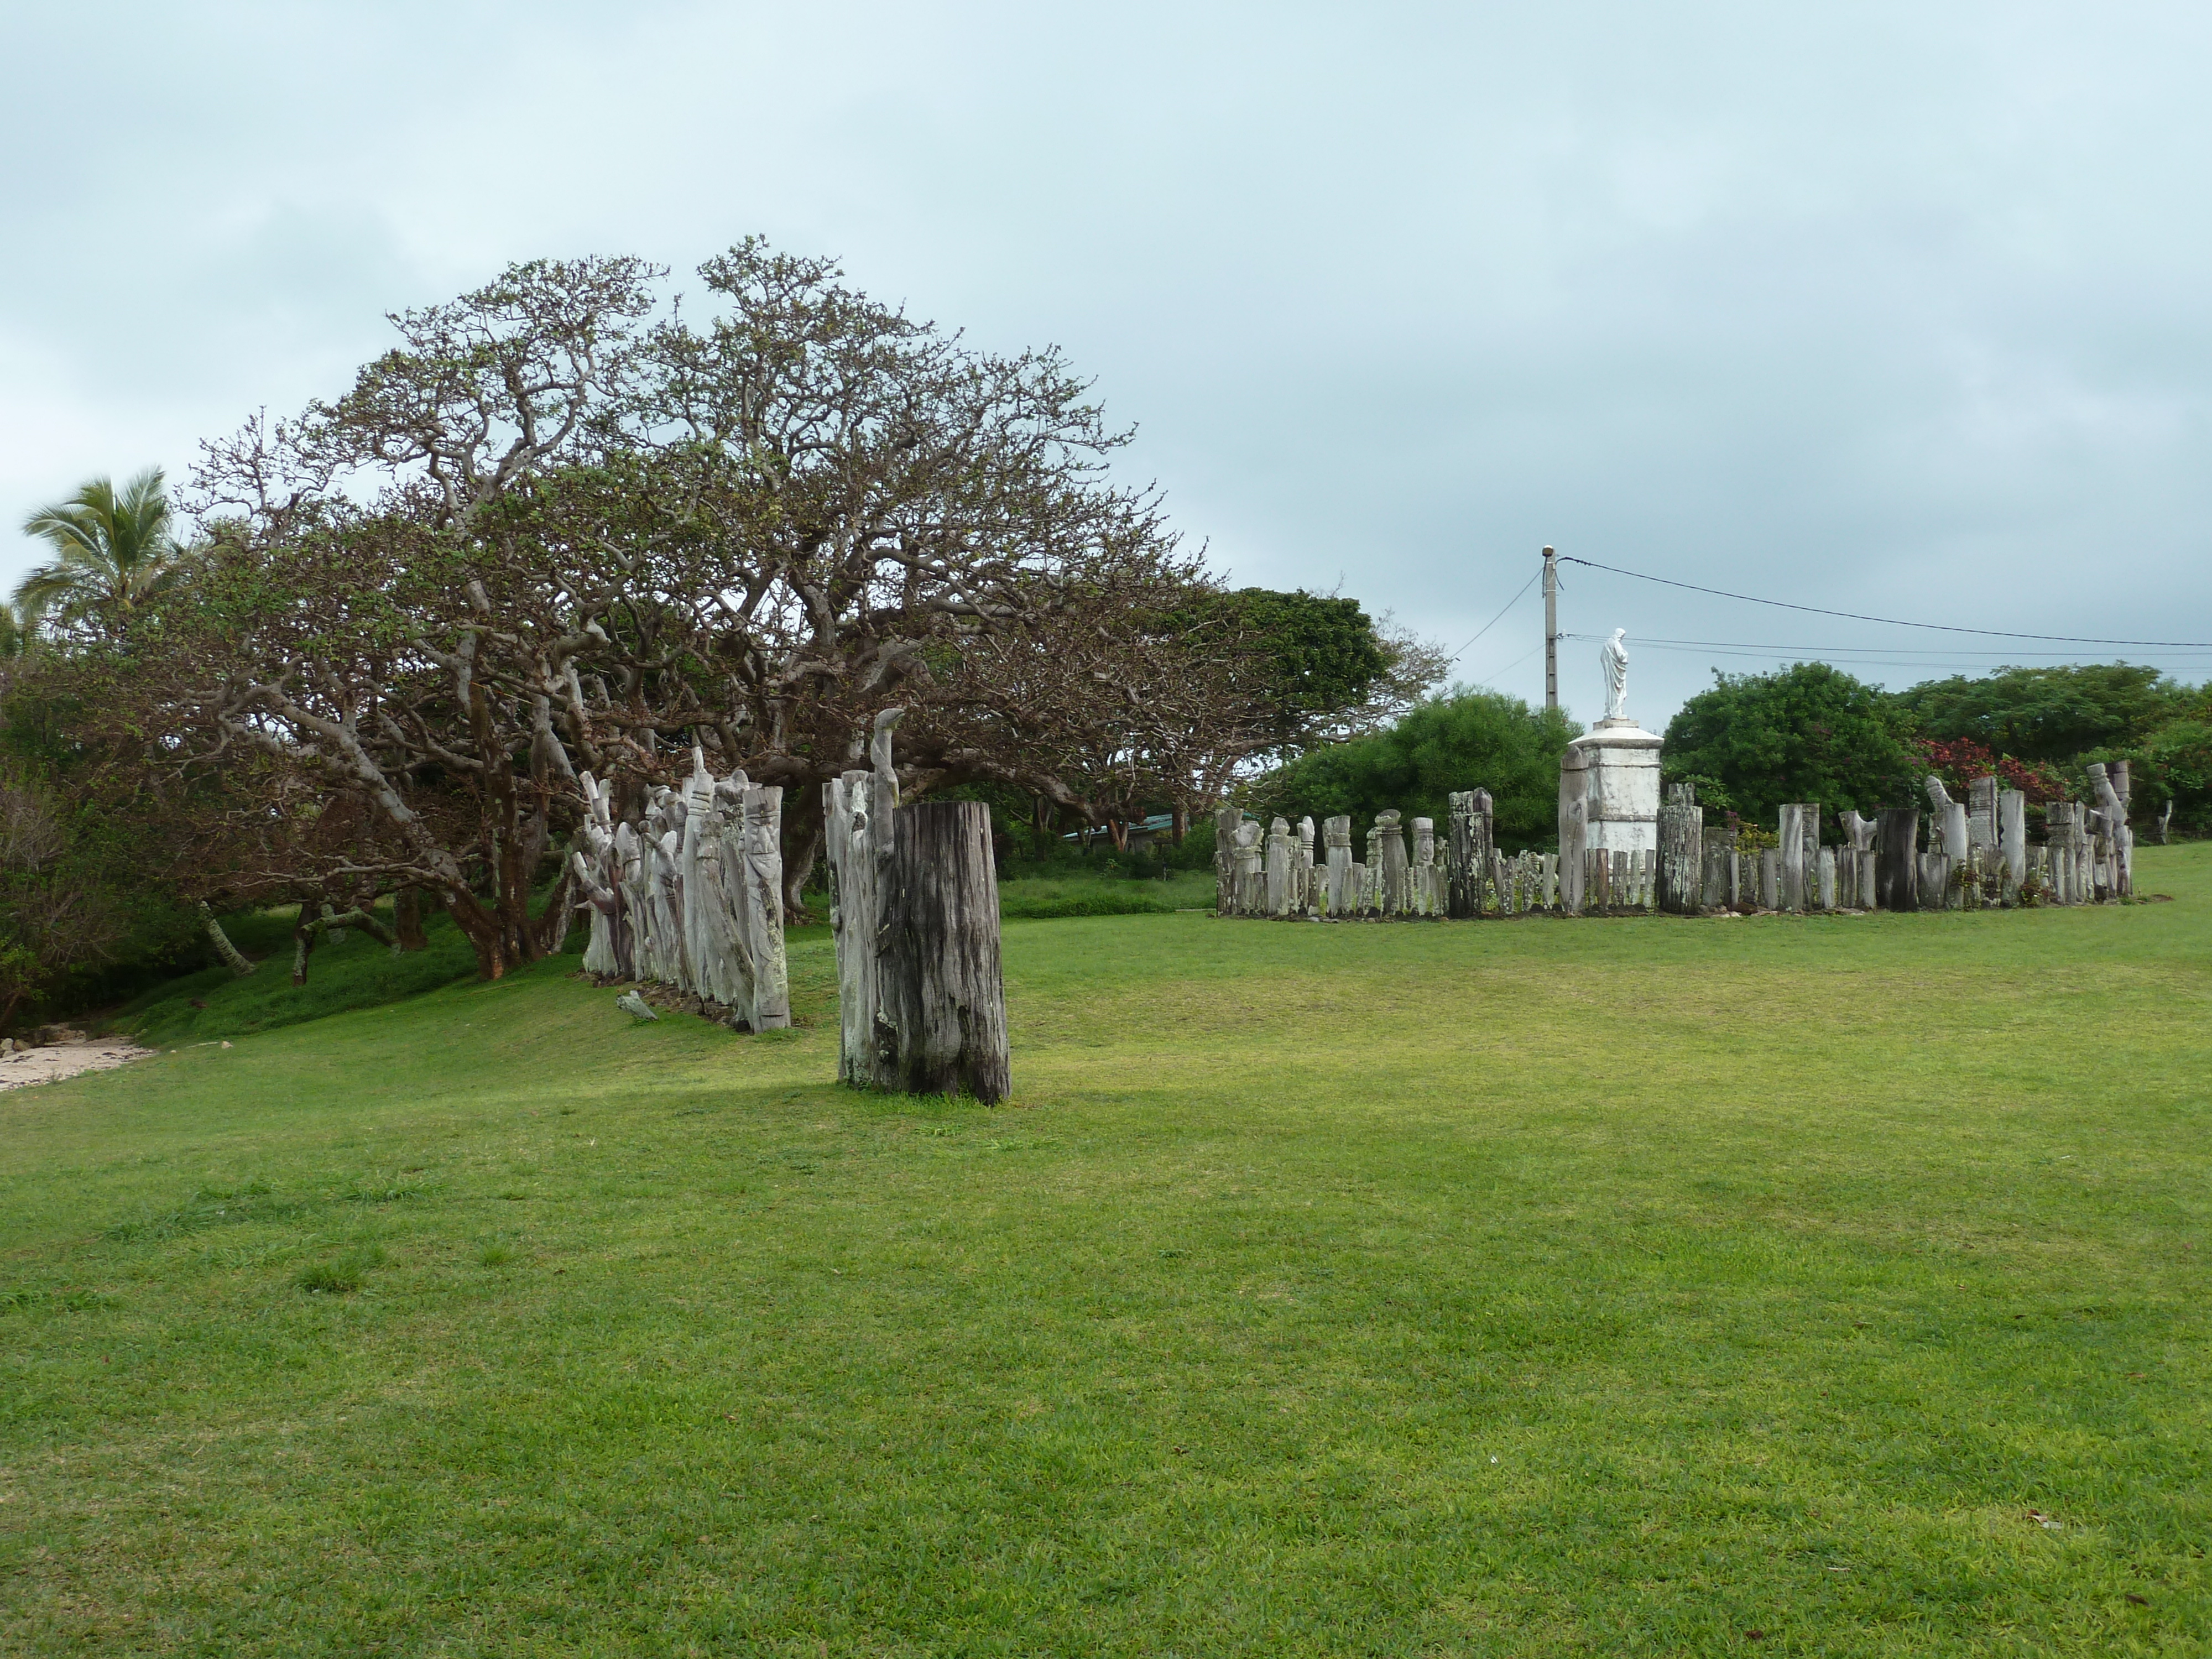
[1936,892]
[1897,879]
[941,1016]
[923,1001]
[1681,851]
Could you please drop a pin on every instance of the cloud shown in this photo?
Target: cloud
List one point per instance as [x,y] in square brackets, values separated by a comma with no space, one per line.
[1892,310]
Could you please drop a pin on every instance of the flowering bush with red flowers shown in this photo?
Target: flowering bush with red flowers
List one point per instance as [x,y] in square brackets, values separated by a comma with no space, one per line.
[1958,760]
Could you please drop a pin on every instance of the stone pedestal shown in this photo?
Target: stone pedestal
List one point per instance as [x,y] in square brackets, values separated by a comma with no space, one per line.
[1620,767]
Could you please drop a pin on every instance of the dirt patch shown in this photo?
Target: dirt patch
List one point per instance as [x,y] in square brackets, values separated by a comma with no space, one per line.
[62,1060]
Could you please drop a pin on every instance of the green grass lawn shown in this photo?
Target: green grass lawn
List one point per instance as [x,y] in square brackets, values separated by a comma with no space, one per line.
[1532,1287]
[1081,893]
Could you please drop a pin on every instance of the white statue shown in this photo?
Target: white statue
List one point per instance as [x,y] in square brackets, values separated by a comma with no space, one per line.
[1614,657]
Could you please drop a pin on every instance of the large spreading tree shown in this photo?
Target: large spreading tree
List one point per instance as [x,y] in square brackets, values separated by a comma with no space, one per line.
[564,528]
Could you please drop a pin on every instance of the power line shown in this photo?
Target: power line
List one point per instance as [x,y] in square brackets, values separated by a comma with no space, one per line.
[1886,622]
[1747,646]
[1497,619]
[1510,666]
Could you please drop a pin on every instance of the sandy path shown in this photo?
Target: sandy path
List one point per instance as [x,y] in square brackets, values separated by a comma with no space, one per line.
[63,1060]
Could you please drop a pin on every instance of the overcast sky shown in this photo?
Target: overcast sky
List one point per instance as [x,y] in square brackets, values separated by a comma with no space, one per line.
[1891,309]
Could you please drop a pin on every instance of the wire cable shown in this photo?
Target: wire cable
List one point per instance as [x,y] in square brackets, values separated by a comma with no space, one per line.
[1509,668]
[1825,651]
[1497,619]
[1886,622]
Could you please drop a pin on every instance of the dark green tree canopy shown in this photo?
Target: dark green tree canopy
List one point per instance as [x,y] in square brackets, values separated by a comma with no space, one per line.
[1465,740]
[1808,732]
[2046,714]
[1329,669]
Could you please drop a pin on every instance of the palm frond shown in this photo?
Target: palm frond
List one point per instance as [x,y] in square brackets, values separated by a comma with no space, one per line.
[57,585]
[114,548]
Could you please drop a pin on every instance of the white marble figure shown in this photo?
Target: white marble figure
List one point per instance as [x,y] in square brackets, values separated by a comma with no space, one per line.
[1614,655]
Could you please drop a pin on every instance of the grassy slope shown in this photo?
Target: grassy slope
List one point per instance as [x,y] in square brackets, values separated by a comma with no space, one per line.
[354,972]
[1515,1288]
[359,973]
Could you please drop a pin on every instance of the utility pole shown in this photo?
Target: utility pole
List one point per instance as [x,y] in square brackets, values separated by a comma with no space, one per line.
[1551,628]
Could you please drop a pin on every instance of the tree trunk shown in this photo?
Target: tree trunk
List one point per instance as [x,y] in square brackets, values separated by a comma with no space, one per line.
[944,1018]
[232,957]
[803,833]
[304,935]
[407,919]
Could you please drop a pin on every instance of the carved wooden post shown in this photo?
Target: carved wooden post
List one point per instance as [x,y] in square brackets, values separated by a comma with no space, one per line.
[636,888]
[1392,840]
[1422,877]
[1226,820]
[1770,878]
[2109,784]
[1897,879]
[1809,854]
[1462,872]
[707,946]
[2067,846]
[1982,813]
[1681,851]
[766,970]
[1551,881]
[1308,901]
[1575,827]
[1343,896]
[1277,873]
[1827,878]
[598,864]
[2012,835]
[1935,881]
[1251,876]
[1792,851]
[1950,821]
[858,811]
[1574,832]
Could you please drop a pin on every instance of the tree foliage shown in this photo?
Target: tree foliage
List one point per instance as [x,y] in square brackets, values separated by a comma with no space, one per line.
[2045,713]
[563,529]
[1327,670]
[1463,740]
[1807,733]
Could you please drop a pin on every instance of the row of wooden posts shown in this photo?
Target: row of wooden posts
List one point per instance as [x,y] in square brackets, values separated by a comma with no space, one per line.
[1979,855]
[691,897]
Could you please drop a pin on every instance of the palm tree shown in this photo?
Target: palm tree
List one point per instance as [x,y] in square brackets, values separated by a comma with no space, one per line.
[113,552]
